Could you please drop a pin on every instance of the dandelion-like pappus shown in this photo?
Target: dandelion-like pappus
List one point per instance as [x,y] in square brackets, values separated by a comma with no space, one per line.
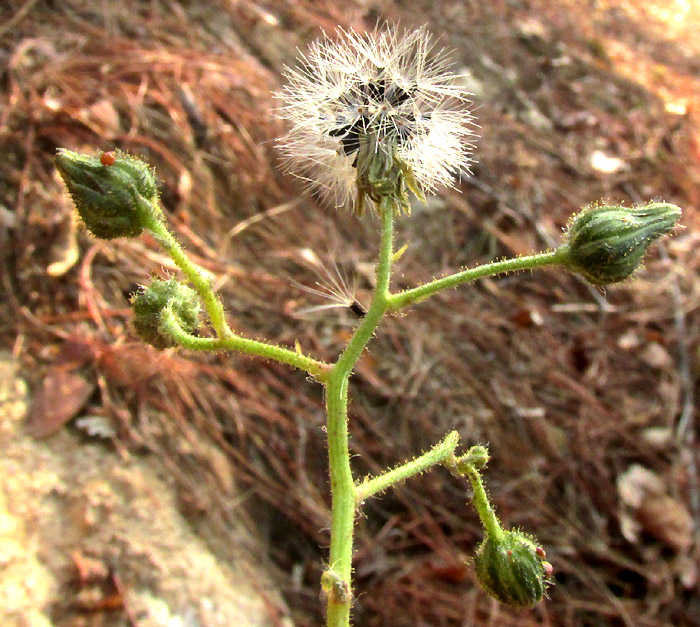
[376,116]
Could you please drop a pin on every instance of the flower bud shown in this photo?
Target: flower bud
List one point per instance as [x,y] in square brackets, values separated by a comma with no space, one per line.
[111,195]
[607,243]
[477,456]
[149,304]
[513,569]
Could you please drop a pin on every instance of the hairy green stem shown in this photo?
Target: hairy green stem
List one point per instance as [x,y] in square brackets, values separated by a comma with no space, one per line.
[441,452]
[155,223]
[171,326]
[343,499]
[417,294]
[380,298]
[481,503]
[342,482]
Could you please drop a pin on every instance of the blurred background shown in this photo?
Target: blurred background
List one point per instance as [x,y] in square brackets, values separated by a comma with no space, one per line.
[142,488]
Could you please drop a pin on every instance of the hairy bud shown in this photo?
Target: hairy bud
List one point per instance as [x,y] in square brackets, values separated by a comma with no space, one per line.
[150,303]
[111,194]
[607,243]
[477,456]
[513,569]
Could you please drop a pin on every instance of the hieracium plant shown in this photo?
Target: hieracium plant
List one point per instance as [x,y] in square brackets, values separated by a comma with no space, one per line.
[377,121]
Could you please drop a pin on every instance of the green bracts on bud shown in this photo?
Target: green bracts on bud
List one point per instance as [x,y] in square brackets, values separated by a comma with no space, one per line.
[112,194]
[513,569]
[150,303]
[607,243]
[382,174]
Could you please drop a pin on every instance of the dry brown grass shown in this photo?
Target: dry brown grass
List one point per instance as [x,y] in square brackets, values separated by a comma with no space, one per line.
[568,385]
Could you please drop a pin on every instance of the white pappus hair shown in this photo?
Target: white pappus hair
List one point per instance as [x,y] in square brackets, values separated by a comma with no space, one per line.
[393,85]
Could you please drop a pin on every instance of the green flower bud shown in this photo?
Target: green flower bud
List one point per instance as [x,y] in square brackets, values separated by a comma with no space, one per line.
[149,304]
[477,456]
[513,569]
[607,243]
[111,194]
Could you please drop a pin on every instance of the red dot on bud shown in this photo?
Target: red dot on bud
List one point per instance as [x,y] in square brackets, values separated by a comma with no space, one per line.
[108,158]
[509,553]
[540,552]
[548,569]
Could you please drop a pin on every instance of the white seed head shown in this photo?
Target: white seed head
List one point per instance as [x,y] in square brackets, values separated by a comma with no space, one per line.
[389,89]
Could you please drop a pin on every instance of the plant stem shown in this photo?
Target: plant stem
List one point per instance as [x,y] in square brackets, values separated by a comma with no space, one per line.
[171,326]
[441,452]
[154,222]
[343,498]
[342,482]
[417,294]
[380,298]
[482,505]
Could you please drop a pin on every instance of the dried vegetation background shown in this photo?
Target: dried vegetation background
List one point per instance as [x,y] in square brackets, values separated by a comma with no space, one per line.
[586,397]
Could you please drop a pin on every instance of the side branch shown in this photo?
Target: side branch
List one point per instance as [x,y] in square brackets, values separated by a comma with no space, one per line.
[439,454]
[170,325]
[201,283]
[418,294]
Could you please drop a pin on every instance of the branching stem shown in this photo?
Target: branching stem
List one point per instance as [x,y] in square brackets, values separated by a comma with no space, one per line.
[226,339]
[171,326]
[347,496]
[482,504]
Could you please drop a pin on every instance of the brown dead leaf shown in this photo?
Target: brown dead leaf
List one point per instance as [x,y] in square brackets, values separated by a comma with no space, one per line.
[527,317]
[645,506]
[657,356]
[668,520]
[61,396]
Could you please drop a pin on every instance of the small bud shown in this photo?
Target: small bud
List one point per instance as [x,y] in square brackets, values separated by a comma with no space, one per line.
[149,304]
[513,570]
[110,194]
[335,587]
[477,456]
[607,243]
